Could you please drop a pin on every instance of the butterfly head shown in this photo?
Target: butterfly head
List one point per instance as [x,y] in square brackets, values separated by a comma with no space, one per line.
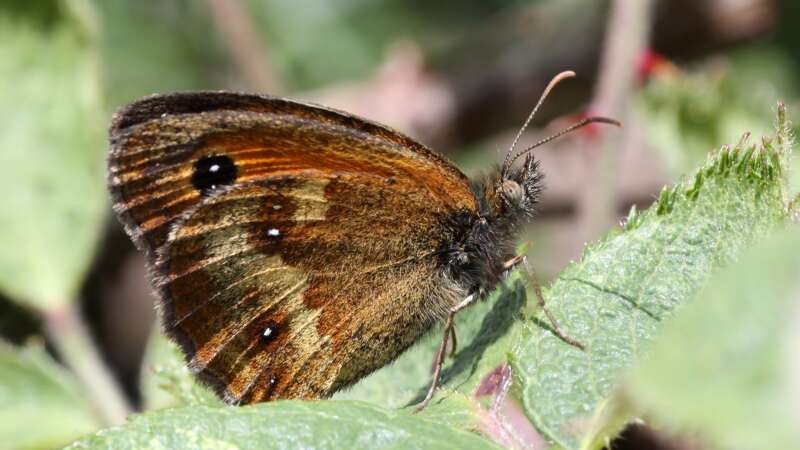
[515,192]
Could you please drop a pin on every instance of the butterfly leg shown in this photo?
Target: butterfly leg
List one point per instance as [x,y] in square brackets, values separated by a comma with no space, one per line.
[537,288]
[449,330]
[453,341]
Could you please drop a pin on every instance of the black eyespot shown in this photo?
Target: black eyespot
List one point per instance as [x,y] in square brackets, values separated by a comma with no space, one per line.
[391,180]
[211,172]
[270,331]
[270,380]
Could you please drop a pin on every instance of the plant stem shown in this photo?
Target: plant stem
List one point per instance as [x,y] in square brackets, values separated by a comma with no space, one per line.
[69,335]
[627,37]
[247,48]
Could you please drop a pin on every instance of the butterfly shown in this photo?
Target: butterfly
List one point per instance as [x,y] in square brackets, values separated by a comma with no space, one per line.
[294,248]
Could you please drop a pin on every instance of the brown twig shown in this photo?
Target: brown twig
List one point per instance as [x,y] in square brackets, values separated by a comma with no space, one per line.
[245,45]
[627,37]
[71,339]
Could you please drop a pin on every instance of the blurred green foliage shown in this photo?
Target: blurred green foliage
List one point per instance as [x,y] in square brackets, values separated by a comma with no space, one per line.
[41,406]
[151,46]
[350,37]
[686,114]
[52,144]
[177,47]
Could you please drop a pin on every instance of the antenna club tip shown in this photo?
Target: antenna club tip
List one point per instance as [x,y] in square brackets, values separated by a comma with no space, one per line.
[558,78]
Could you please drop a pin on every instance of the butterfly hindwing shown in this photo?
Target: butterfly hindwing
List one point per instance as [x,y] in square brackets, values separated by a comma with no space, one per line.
[309,283]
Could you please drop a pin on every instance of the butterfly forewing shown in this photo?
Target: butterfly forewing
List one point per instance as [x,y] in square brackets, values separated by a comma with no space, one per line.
[295,249]
[159,144]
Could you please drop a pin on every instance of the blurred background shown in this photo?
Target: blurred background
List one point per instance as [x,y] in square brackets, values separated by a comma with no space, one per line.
[685,76]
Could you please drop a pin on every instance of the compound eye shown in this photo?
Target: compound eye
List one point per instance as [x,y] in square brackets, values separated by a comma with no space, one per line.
[512,191]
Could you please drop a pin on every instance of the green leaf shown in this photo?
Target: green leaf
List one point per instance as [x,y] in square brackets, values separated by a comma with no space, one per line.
[283,425]
[166,381]
[51,152]
[727,368]
[616,298]
[41,407]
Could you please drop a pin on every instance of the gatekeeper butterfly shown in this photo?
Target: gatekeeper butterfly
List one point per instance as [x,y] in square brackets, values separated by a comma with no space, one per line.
[296,249]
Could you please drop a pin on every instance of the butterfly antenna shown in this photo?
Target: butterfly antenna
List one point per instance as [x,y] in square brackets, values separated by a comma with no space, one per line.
[556,79]
[569,129]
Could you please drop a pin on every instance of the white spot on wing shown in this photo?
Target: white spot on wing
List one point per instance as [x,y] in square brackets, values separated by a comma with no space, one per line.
[273,232]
